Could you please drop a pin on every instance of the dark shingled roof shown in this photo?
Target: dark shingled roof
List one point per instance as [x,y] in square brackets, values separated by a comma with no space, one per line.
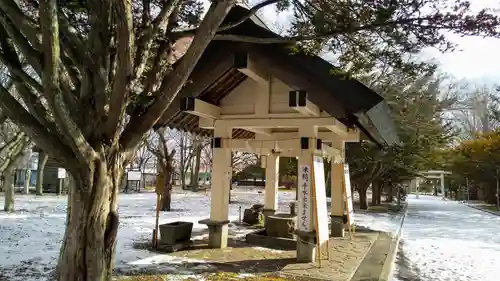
[216,75]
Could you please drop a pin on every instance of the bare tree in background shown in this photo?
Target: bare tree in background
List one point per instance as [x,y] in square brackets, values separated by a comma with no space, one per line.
[143,154]
[14,146]
[475,112]
[87,62]
[186,152]
[159,147]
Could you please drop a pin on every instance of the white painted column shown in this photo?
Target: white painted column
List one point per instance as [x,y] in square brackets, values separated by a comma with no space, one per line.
[221,180]
[272,180]
[442,187]
[306,248]
[337,195]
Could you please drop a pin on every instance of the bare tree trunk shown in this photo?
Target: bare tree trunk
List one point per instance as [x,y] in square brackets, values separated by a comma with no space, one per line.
[8,187]
[88,246]
[27,177]
[390,194]
[196,170]
[42,160]
[362,188]
[376,186]
[167,192]
[183,162]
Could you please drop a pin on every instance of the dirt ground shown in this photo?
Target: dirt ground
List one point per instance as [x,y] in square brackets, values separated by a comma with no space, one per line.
[358,259]
[345,256]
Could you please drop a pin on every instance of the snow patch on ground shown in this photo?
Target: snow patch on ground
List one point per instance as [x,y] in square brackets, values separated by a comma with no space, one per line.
[448,241]
[30,238]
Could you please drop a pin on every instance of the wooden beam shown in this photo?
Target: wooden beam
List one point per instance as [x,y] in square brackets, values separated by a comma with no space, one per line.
[267,132]
[211,66]
[330,150]
[200,108]
[246,65]
[299,102]
[283,123]
[258,145]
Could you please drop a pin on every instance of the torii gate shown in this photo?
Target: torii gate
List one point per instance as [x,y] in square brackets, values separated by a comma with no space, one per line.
[434,174]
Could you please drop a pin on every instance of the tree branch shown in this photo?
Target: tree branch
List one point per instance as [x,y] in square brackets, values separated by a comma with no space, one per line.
[125,38]
[146,40]
[139,125]
[19,77]
[165,49]
[14,152]
[15,70]
[32,56]
[36,131]
[97,67]
[9,144]
[50,78]
[26,25]
[3,118]
[251,12]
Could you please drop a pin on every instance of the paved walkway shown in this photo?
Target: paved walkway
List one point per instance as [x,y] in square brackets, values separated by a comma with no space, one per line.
[448,241]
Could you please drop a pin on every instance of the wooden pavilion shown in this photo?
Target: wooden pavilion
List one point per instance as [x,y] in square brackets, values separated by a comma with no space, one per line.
[266,99]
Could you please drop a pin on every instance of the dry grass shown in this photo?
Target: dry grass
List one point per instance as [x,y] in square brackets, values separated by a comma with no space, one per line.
[212,277]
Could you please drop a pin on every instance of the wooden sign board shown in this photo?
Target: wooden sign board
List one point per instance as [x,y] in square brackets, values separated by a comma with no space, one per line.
[61,173]
[348,195]
[304,198]
[320,206]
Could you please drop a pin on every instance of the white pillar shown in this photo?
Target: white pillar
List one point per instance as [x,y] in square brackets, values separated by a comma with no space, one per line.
[442,186]
[272,180]
[337,196]
[221,180]
[306,248]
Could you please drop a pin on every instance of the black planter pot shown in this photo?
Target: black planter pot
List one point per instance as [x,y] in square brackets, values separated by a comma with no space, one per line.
[175,232]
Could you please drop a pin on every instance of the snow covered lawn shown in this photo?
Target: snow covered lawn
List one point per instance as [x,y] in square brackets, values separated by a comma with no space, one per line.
[30,238]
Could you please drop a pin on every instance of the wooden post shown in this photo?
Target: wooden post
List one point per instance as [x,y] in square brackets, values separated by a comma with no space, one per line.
[160,183]
[271,189]
[337,196]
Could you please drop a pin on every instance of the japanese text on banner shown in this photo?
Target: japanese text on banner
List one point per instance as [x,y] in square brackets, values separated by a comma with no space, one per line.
[304,198]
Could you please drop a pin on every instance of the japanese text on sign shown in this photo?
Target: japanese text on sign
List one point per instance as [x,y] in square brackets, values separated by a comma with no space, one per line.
[304,198]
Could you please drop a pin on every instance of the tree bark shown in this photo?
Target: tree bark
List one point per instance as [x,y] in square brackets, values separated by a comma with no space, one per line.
[27,180]
[183,162]
[8,187]
[196,167]
[376,185]
[390,194]
[88,246]
[167,191]
[42,160]
[362,188]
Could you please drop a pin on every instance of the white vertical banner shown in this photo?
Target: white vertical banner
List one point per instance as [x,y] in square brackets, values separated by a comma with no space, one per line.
[304,194]
[321,210]
[348,194]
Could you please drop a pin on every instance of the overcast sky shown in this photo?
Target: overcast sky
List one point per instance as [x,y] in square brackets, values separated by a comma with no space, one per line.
[476,59]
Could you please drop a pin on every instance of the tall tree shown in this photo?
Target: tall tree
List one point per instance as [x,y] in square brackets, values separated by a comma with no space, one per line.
[417,108]
[13,154]
[78,64]
[42,160]
[159,147]
[477,112]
